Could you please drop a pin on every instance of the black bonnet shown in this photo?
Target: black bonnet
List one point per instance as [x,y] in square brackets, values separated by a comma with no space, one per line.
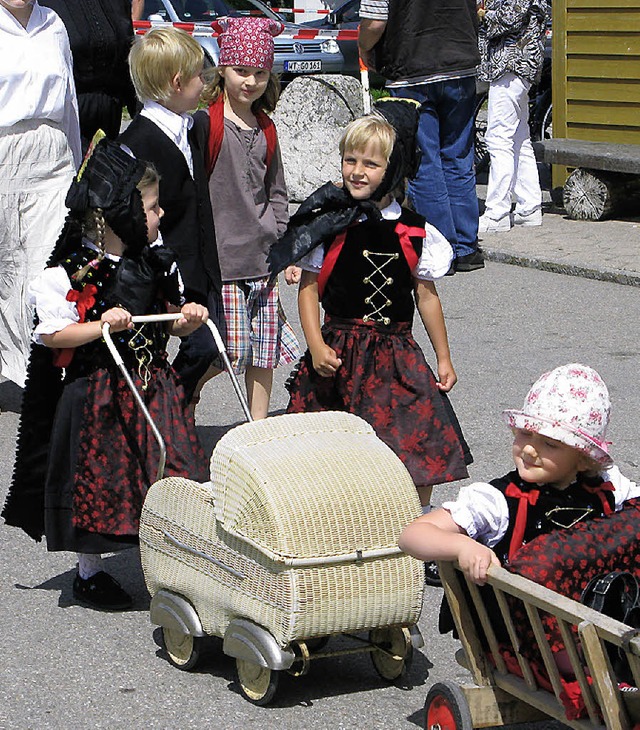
[109,181]
[402,115]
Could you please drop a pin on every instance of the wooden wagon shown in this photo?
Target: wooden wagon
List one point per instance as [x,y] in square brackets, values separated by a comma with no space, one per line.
[509,686]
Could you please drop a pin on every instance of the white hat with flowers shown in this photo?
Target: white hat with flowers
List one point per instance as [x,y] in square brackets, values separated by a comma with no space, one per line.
[569,404]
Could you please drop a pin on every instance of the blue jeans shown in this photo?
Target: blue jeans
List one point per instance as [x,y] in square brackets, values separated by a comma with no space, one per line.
[444,190]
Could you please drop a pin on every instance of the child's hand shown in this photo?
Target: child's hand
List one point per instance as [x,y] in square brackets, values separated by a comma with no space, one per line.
[447,377]
[325,361]
[117,318]
[474,560]
[292,274]
[193,315]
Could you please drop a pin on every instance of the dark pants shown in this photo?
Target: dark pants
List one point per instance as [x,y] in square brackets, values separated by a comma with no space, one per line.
[198,351]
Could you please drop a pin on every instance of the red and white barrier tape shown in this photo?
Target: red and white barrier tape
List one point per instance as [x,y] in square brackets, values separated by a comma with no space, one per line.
[142,26]
[300,10]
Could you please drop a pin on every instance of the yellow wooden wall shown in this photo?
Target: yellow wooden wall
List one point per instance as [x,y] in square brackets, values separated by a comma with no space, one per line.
[596,71]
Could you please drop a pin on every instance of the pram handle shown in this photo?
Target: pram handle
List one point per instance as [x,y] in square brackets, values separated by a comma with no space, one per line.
[117,357]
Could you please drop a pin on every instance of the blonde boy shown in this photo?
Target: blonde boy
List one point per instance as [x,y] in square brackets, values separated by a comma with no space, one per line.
[166,67]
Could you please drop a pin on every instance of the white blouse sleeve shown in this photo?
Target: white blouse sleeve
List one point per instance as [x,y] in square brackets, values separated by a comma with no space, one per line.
[313,260]
[48,294]
[436,257]
[481,511]
[624,488]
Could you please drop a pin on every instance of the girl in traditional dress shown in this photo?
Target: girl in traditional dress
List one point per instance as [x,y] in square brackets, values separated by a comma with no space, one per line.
[86,455]
[370,262]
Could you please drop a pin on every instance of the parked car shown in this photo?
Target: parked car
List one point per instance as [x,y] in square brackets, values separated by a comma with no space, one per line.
[346,17]
[293,56]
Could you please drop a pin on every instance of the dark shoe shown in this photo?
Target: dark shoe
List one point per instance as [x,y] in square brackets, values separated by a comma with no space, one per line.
[452,269]
[102,592]
[471,261]
[431,575]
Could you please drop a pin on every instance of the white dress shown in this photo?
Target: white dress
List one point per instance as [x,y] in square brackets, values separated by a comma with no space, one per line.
[40,151]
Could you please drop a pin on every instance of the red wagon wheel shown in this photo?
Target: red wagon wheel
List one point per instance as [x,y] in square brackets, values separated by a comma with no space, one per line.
[446,708]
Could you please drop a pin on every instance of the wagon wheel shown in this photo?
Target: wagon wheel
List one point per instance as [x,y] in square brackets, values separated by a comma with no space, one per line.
[257,684]
[447,708]
[393,653]
[183,650]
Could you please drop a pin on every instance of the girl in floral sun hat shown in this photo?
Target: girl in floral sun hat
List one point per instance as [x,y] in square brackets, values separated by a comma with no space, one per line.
[564,475]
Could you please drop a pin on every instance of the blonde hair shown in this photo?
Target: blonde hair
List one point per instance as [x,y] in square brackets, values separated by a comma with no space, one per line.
[160,55]
[149,178]
[214,86]
[373,127]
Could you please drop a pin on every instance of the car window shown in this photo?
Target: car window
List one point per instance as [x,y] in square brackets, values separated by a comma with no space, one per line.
[351,13]
[192,11]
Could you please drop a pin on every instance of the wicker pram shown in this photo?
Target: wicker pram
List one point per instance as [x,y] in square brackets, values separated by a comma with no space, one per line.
[296,532]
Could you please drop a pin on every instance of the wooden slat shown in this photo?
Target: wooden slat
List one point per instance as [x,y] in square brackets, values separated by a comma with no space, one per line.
[599,4]
[621,135]
[609,91]
[603,20]
[543,701]
[545,650]
[481,672]
[598,43]
[601,115]
[615,715]
[627,67]
[487,626]
[525,667]
[492,706]
[569,640]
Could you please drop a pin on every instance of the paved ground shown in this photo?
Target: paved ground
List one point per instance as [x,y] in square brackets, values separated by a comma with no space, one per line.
[66,667]
[605,250]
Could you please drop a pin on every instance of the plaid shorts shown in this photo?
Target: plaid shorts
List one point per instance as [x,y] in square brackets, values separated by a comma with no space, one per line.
[258,333]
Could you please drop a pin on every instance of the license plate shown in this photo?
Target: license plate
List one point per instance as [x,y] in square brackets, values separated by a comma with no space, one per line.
[303,67]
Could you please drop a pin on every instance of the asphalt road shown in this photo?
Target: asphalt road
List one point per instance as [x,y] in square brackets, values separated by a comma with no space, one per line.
[65,666]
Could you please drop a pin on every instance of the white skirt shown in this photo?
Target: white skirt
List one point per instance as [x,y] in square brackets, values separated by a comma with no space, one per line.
[36,170]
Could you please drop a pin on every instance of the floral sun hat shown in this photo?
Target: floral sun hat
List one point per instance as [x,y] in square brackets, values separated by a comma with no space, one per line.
[569,404]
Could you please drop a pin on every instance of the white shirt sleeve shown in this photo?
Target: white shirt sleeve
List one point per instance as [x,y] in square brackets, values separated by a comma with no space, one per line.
[313,260]
[624,488]
[436,257]
[481,511]
[48,294]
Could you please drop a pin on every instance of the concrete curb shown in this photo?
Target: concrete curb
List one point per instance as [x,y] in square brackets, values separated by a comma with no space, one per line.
[616,276]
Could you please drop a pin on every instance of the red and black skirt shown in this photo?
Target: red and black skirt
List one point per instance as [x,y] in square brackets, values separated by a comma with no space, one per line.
[104,456]
[385,379]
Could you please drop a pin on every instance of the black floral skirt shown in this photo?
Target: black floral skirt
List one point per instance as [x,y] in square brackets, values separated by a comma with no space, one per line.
[104,457]
[385,379]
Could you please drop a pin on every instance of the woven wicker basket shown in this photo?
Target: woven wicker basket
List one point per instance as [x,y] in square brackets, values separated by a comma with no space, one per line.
[297,531]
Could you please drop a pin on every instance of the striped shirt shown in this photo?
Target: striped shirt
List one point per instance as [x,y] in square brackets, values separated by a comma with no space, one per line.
[374,9]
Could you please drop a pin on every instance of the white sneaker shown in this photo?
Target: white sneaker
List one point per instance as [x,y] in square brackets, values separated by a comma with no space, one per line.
[530,219]
[488,225]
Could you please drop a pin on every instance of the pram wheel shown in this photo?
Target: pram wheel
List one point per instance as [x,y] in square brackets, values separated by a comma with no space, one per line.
[257,684]
[393,653]
[446,708]
[183,650]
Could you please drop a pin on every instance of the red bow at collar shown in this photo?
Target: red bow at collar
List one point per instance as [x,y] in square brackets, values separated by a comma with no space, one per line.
[526,498]
[84,300]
